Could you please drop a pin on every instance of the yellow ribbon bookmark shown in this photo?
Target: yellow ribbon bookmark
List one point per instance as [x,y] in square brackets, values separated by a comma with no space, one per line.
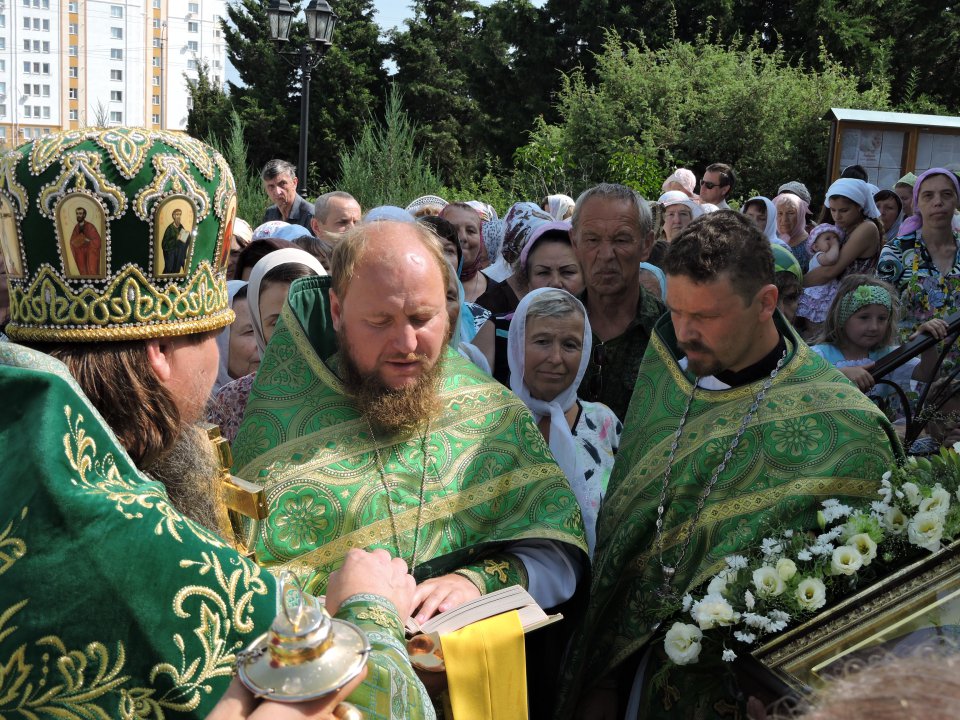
[486,670]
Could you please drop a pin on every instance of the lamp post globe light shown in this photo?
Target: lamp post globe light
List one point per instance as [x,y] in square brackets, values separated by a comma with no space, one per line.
[321,21]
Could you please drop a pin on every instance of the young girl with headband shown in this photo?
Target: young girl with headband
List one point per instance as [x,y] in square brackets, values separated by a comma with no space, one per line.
[859,330]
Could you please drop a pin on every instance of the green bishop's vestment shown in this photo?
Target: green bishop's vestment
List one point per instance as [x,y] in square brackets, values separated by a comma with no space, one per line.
[490,479]
[112,604]
[814,437]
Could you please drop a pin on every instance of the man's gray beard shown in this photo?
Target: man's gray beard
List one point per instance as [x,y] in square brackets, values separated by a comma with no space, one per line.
[390,410]
[189,471]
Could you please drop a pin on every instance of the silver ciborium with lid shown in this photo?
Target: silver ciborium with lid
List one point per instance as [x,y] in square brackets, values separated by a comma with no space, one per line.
[306,654]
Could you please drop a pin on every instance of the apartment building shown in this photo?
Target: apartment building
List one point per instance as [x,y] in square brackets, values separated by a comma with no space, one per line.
[73,63]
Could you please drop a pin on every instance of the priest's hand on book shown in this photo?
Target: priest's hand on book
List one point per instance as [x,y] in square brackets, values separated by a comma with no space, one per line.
[440,594]
[375,573]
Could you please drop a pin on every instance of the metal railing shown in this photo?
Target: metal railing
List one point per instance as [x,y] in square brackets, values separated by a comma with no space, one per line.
[920,412]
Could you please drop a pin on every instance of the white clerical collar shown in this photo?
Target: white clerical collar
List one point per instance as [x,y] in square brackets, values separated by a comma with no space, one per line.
[709,382]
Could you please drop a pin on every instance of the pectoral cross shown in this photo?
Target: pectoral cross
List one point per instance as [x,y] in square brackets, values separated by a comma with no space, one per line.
[239,497]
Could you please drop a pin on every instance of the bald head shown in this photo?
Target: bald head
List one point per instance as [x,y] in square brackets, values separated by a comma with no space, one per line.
[385,242]
[388,301]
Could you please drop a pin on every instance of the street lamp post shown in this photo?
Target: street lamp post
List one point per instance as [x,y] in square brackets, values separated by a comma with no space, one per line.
[321,20]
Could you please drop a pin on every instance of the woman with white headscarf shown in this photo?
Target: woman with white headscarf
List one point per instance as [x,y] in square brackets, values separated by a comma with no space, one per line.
[266,294]
[560,207]
[763,213]
[549,349]
[854,211]
[238,350]
[678,212]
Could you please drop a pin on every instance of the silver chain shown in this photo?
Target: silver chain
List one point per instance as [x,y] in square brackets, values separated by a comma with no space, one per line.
[386,488]
[666,590]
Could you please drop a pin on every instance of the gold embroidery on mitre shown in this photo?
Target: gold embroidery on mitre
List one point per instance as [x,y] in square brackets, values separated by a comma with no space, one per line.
[10,238]
[16,192]
[81,171]
[172,177]
[193,149]
[49,148]
[226,190]
[128,148]
[130,307]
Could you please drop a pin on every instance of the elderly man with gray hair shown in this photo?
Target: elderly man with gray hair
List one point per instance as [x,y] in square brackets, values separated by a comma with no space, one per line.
[280,182]
[612,234]
[334,213]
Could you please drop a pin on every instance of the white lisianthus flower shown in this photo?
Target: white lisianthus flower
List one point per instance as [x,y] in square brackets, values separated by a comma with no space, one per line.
[956,447]
[939,501]
[713,611]
[926,530]
[811,593]
[748,600]
[885,478]
[913,493]
[682,643]
[718,585]
[804,555]
[687,601]
[768,582]
[895,521]
[846,560]
[787,568]
[744,637]
[865,546]
[728,655]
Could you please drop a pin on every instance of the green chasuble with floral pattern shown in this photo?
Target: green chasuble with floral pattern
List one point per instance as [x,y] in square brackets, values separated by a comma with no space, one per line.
[112,604]
[489,479]
[814,437]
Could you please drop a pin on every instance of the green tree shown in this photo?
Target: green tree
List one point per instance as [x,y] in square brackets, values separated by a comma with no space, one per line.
[347,85]
[694,103]
[384,167]
[251,199]
[434,65]
[210,109]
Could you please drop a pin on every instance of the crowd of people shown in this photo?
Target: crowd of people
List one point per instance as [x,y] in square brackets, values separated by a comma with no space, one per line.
[437,402]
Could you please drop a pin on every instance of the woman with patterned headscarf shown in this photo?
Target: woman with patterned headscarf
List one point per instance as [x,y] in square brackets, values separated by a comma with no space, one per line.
[924,262]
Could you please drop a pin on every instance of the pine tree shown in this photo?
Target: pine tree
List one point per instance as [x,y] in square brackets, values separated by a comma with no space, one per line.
[434,58]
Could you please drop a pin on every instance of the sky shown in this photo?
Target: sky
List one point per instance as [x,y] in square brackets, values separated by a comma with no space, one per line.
[389,14]
[392,13]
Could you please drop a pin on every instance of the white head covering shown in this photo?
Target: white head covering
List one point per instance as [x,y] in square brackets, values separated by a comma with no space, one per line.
[770,231]
[264,265]
[223,339]
[709,208]
[562,443]
[559,206]
[856,191]
[675,197]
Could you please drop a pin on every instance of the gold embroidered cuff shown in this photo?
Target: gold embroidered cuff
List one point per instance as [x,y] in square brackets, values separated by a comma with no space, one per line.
[496,572]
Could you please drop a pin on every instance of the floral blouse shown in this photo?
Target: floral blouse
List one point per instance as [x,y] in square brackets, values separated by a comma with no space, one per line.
[228,405]
[597,432]
[925,293]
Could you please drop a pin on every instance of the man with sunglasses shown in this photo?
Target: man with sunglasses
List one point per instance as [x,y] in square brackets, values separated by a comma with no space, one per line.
[717,184]
[612,234]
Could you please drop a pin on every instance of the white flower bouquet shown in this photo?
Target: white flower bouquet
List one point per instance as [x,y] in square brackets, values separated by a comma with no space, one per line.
[793,575]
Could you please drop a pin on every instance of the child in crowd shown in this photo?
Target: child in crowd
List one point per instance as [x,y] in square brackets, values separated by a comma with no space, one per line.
[858,331]
[823,246]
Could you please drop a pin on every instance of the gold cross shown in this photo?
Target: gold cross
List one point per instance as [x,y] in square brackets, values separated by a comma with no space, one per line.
[492,567]
[239,496]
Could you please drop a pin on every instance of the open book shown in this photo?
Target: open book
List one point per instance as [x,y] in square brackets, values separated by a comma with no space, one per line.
[510,598]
